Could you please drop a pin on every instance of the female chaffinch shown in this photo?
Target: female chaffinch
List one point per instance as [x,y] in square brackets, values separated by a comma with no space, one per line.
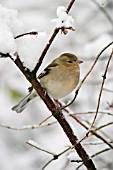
[59,79]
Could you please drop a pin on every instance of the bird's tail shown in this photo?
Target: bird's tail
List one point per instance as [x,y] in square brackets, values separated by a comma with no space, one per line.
[24,102]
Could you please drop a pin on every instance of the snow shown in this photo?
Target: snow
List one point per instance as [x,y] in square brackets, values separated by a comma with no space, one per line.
[10,17]
[30,48]
[7,42]
[63,19]
[10,26]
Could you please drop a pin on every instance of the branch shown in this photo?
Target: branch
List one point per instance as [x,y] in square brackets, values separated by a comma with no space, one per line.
[55,32]
[103,81]
[55,156]
[26,127]
[28,33]
[45,50]
[91,112]
[92,132]
[92,156]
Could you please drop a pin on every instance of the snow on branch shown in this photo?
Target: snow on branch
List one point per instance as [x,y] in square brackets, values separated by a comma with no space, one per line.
[63,19]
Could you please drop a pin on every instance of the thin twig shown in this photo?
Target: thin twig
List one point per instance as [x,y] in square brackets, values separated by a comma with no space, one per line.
[85,77]
[26,127]
[45,120]
[108,90]
[104,12]
[35,145]
[92,112]
[96,143]
[92,132]
[55,156]
[28,33]
[102,126]
[103,81]
[47,164]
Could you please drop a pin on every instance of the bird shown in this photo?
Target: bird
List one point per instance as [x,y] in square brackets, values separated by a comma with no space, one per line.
[58,79]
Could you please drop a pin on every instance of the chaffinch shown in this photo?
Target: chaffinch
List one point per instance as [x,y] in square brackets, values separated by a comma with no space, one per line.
[59,79]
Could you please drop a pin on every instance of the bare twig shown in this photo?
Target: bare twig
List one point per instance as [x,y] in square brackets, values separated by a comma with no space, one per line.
[35,145]
[47,164]
[110,104]
[103,81]
[28,33]
[55,156]
[92,112]
[104,12]
[70,5]
[108,90]
[45,120]
[102,126]
[26,127]
[92,132]
[96,143]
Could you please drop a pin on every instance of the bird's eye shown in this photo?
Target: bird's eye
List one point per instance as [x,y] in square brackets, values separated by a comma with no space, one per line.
[70,61]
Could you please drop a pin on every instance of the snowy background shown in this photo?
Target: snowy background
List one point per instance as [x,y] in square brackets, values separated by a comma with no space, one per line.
[94,30]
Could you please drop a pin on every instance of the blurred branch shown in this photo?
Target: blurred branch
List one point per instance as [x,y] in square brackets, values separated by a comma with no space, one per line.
[110,104]
[85,77]
[91,112]
[101,89]
[108,90]
[104,12]
[102,126]
[55,156]
[35,145]
[92,132]
[96,143]
[26,127]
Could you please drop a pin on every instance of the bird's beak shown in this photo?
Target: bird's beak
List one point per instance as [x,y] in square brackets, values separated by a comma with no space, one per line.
[80,61]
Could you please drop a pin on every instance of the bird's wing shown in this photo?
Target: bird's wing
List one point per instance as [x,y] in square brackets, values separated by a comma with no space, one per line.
[47,69]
